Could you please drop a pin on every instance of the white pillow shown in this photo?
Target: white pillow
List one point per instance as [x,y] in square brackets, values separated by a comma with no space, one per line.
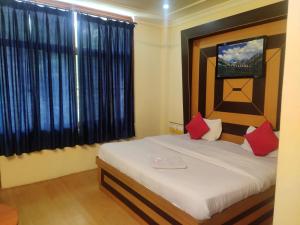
[215,129]
[248,148]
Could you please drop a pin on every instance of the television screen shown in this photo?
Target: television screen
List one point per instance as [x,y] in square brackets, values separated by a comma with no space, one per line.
[244,58]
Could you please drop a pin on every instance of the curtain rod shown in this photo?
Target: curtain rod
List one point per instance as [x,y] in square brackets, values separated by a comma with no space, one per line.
[94,12]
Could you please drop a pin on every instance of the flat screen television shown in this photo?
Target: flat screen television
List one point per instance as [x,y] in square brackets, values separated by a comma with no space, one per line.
[243,58]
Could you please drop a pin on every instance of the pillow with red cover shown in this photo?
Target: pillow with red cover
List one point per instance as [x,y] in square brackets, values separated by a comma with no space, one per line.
[197,127]
[262,140]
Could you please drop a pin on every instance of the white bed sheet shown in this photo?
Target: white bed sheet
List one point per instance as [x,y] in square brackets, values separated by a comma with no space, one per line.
[218,173]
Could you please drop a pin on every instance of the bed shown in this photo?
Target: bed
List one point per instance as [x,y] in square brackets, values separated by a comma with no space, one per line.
[220,183]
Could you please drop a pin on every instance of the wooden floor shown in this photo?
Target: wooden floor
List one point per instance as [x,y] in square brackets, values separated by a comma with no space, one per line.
[70,200]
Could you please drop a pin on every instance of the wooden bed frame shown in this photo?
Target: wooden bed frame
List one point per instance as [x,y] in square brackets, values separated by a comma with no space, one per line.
[150,208]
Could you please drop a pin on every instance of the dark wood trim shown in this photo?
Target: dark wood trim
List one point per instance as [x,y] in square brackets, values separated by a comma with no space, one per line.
[258,16]
[218,93]
[282,57]
[258,96]
[238,107]
[186,55]
[264,217]
[138,211]
[234,129]
[249,211]
[123,199]
[276,41]
[202,84]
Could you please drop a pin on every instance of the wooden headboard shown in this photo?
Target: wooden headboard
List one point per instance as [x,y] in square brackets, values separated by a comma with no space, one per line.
[238,102]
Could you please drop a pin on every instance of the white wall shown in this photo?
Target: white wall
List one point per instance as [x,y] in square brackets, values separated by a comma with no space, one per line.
[46,164]
[148,90]
[287,200]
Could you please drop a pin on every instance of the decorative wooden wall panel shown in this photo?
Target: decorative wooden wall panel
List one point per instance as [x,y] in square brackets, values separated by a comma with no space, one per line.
[238,102]
[232,28]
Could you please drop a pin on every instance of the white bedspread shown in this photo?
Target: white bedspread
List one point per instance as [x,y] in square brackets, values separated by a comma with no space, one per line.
[217,175]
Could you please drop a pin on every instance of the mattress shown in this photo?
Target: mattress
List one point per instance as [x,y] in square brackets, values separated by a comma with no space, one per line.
[217,174]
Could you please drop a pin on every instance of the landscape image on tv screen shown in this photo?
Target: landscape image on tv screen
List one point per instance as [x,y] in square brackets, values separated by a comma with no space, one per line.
[243,58]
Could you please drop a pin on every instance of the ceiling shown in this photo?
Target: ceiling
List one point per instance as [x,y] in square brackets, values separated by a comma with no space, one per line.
[151,10]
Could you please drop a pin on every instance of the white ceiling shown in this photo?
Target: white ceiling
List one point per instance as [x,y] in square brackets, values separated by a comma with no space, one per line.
[150,10]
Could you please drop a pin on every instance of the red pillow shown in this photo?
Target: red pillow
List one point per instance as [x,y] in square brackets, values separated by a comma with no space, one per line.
[197,127]
[262,140]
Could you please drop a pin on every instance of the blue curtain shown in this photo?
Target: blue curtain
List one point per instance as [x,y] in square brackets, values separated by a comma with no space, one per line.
[105,60]
[37,79]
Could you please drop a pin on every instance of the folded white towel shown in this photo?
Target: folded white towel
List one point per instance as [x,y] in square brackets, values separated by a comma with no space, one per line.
[170,162]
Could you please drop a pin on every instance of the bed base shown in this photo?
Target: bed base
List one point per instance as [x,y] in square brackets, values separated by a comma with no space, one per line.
[149,208]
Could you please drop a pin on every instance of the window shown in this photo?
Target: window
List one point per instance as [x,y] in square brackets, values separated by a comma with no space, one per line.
[52,96]
[105,61]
